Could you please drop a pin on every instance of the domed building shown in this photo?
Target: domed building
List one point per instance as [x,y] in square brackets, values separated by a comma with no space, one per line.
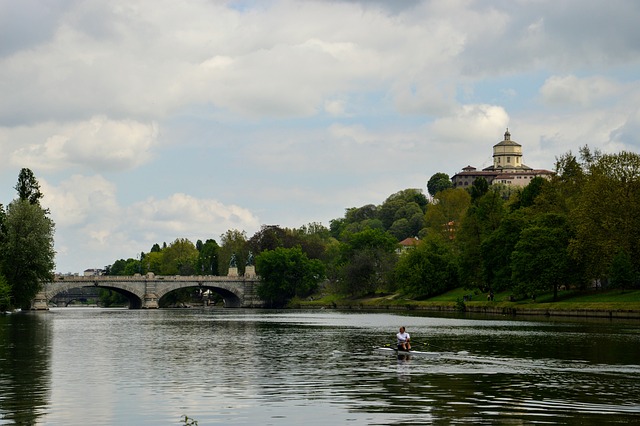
[507,167]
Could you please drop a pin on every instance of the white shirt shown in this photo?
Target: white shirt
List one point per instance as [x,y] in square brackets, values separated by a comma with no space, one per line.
[403,337]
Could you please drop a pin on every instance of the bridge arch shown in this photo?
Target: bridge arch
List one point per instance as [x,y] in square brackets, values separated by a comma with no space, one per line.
[231,299]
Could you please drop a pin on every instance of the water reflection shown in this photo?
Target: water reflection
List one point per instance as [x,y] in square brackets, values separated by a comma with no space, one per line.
[316,368]
[25,354]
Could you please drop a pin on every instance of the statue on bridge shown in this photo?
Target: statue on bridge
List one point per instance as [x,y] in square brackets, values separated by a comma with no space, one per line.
[250,259]
[233,263]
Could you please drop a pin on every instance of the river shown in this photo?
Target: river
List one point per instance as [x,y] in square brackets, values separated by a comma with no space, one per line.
[79,366]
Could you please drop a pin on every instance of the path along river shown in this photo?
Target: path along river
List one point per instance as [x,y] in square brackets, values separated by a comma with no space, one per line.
[79,366]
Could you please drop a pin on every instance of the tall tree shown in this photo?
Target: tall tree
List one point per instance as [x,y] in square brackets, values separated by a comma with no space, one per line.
[28,187]
[208,258]
[26,251]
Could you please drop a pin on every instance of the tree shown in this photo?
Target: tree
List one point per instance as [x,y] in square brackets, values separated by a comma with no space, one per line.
[5,294]
[438,182]
[607,212]
[479,187]
[286,273]
[622,273]
[28,187]
[232,242]
[208,258]
[444,215]
[540,260]
[367,261]
[26,250]
[179,258]
[428,270]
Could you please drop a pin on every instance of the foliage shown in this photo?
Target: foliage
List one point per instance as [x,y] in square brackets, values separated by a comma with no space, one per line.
[5,294]
[110,298]
[622,273]
[179,258]
[428,270]
[207,263]
[232,242]
[286,273]
[26,250]
[607,212]
[366,262]
[444,216]
[540,259]
[438,182]
[28,187]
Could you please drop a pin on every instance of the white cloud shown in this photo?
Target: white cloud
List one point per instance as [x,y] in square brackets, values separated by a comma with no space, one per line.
[96,144]
[571,90]
[479,122]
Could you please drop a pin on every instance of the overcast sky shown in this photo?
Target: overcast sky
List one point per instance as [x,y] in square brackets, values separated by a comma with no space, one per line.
[146,121]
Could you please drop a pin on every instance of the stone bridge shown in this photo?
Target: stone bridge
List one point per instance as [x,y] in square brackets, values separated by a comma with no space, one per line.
[144,291]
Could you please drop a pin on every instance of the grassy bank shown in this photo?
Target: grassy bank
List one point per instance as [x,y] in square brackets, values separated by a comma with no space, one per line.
[609,303]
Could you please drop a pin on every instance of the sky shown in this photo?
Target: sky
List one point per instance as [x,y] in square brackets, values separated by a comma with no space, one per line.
[147,121]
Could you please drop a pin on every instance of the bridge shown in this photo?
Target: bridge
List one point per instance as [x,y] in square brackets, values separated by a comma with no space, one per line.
[144,291]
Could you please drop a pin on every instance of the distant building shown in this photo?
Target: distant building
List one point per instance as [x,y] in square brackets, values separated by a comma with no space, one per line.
[507,167]
[93,272]
[407,244]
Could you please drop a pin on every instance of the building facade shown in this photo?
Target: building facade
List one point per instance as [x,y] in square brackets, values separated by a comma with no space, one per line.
[507,167]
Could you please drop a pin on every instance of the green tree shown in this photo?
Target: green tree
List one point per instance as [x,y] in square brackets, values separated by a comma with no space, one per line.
[286,273]
[607,211]
[444,215]
[496,249]
[479,187]
[482,218]
[428,270]
[26,252]
[232,242]
[179,258]
[207,263]
[367,261]
[622,273]
[28,187]
[5,294]
[540,260]
[438,182]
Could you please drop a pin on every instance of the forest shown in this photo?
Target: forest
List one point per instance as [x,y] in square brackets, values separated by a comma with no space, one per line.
[577,230]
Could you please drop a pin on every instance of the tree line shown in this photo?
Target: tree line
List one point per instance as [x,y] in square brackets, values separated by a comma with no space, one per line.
[578,229]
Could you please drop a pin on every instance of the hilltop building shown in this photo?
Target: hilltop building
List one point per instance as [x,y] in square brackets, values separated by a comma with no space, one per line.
[507,167]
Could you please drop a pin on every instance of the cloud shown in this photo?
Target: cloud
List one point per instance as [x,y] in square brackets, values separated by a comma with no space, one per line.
[93,228]
[479,122]
[97,144]
[571,90]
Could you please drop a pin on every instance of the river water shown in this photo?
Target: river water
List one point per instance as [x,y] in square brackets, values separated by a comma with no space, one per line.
[79,366]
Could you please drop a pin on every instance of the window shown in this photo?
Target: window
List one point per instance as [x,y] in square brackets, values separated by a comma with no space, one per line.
[508,159]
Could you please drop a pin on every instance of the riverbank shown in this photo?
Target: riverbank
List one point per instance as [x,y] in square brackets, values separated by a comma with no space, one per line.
[599,303]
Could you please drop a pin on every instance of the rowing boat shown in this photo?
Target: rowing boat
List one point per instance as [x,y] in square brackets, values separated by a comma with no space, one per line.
[394,351]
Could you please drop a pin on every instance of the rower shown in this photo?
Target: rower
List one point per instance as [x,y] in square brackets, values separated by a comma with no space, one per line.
[404,343]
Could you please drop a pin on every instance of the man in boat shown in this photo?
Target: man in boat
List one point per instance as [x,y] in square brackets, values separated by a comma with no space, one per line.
[404,343]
